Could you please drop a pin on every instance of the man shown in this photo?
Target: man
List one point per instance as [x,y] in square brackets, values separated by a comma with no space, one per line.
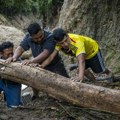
[85,49]
[42,45]
[11,90]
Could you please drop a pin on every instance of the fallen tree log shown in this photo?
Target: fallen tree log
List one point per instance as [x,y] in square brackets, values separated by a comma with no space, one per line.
[80,94]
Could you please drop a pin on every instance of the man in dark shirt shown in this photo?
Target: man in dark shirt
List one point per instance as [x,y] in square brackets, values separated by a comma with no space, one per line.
[42,45]
[11,90]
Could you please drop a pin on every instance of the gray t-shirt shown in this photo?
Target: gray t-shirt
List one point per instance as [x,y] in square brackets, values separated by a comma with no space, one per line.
[48,43]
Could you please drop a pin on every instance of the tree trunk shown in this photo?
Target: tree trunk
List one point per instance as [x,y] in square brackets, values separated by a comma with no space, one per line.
[80,94]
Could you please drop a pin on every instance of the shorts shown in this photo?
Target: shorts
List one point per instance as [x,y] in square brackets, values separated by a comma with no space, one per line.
[95,63]
[12,92]
[58,68]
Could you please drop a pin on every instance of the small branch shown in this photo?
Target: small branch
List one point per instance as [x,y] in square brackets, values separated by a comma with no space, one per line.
[65,110]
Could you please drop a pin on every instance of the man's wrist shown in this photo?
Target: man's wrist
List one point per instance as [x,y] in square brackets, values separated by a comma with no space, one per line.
[80,77]
[14,57]
[42,66]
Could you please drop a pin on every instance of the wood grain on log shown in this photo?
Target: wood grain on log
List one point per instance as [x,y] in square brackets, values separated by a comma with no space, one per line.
[80,94]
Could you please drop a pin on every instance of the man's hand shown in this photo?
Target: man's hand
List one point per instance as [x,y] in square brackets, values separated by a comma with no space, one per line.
[26,62]
[10,59]
[36,65]
[40,66]
[77,79]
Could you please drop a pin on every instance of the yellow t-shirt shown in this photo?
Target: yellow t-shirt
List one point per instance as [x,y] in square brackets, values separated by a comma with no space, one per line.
[81,44]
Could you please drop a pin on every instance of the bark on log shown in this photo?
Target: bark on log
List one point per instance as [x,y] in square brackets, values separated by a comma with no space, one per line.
[80,94]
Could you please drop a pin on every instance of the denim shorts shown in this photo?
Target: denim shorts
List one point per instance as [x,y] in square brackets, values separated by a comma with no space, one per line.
[12,92]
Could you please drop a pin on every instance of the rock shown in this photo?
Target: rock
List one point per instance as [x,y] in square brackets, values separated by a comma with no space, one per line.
[98,20]
[14,35]
[3,117]
[10,34]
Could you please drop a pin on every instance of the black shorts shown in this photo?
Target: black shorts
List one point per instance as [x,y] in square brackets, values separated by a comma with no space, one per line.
[58,68]
[96,63]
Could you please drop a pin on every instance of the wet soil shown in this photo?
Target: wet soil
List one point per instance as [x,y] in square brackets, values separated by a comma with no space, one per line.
[47,108]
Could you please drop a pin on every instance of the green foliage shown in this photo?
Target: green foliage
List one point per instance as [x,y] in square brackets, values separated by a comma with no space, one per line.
[46,10]
[11,7]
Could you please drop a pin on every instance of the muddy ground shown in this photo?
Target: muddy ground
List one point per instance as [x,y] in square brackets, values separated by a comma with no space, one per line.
[47,108]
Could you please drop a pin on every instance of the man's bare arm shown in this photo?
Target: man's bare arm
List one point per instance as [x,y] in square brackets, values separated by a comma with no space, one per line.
[81,68]
[38,59]
[49,59]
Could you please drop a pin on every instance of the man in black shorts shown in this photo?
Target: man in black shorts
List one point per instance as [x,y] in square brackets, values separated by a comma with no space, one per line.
[85,49]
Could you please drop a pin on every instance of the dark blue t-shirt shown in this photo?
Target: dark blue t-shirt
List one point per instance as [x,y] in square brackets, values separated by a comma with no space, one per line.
[48,43]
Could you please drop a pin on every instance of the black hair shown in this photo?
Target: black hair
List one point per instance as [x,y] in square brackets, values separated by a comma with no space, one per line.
[34,28]
[59,34]
[6,45]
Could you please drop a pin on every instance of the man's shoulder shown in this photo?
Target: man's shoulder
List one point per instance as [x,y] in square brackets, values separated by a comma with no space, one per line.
[48,34]
[75,36]
[26,36]
[49,38]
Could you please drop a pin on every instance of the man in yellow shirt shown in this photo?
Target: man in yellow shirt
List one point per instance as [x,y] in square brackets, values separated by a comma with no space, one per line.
[85,49]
